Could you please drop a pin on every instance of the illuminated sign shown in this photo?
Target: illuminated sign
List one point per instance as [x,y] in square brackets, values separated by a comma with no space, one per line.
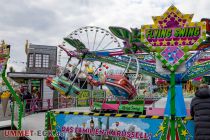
[172,36]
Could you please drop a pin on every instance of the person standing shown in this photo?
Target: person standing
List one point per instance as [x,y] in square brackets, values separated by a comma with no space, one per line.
[200,111]
[28,101]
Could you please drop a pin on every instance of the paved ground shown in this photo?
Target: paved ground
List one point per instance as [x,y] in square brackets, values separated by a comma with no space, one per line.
[30,122]
[5,138]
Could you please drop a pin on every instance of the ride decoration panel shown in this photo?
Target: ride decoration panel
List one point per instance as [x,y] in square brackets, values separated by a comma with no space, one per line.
[172,36]
[71,125]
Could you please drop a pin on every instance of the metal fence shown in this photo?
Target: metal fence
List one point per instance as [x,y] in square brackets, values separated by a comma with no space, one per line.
[38,105]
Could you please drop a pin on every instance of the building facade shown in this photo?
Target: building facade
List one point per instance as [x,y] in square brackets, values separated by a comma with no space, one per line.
[41,63]
[41,59]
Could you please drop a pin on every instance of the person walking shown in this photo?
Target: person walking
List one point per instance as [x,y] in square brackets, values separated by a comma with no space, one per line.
[200,111]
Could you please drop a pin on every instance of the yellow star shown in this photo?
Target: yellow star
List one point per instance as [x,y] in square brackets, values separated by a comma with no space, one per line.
[161,128]
[158,42]
[184,133]
[168,19]
[54,123]
[192,41]
[184,121]
[187,41]
[179,125]
[164,42]
[181,23]
[172,42]
[152,42]
[180,42]
[164,24]
[176,18]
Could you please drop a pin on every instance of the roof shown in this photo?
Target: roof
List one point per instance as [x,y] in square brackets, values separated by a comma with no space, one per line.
[41,46]
[27,75]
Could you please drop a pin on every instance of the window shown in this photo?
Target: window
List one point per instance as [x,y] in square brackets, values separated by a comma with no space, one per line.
[45,62]
[31,60]
[38,62]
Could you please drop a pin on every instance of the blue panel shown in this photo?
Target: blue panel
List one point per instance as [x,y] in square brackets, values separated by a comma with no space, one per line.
[180,104]
[102,53]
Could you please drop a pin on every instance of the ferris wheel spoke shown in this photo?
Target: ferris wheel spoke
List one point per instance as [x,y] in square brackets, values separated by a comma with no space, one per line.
[107,44]
[79,37]
[95,39]
[100,42]
[88,40]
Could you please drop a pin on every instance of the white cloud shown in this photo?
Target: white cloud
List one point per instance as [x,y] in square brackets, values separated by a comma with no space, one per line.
[48,21]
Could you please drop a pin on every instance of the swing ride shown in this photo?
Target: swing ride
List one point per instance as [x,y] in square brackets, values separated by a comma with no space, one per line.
[117,84]
[174,45]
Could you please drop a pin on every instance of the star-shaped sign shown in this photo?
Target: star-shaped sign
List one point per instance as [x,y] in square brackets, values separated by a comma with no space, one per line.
[173,13]
[173,29]
[168,26]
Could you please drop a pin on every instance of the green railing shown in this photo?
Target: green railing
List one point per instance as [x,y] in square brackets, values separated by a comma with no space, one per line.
[17,99]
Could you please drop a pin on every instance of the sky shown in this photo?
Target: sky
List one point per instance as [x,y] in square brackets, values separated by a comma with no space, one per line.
[47,22]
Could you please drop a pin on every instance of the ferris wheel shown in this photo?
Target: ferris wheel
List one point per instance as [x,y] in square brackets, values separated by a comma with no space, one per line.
[93,39]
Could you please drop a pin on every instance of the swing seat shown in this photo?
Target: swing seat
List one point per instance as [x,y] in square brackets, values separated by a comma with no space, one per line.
[62,86]
[120,86]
